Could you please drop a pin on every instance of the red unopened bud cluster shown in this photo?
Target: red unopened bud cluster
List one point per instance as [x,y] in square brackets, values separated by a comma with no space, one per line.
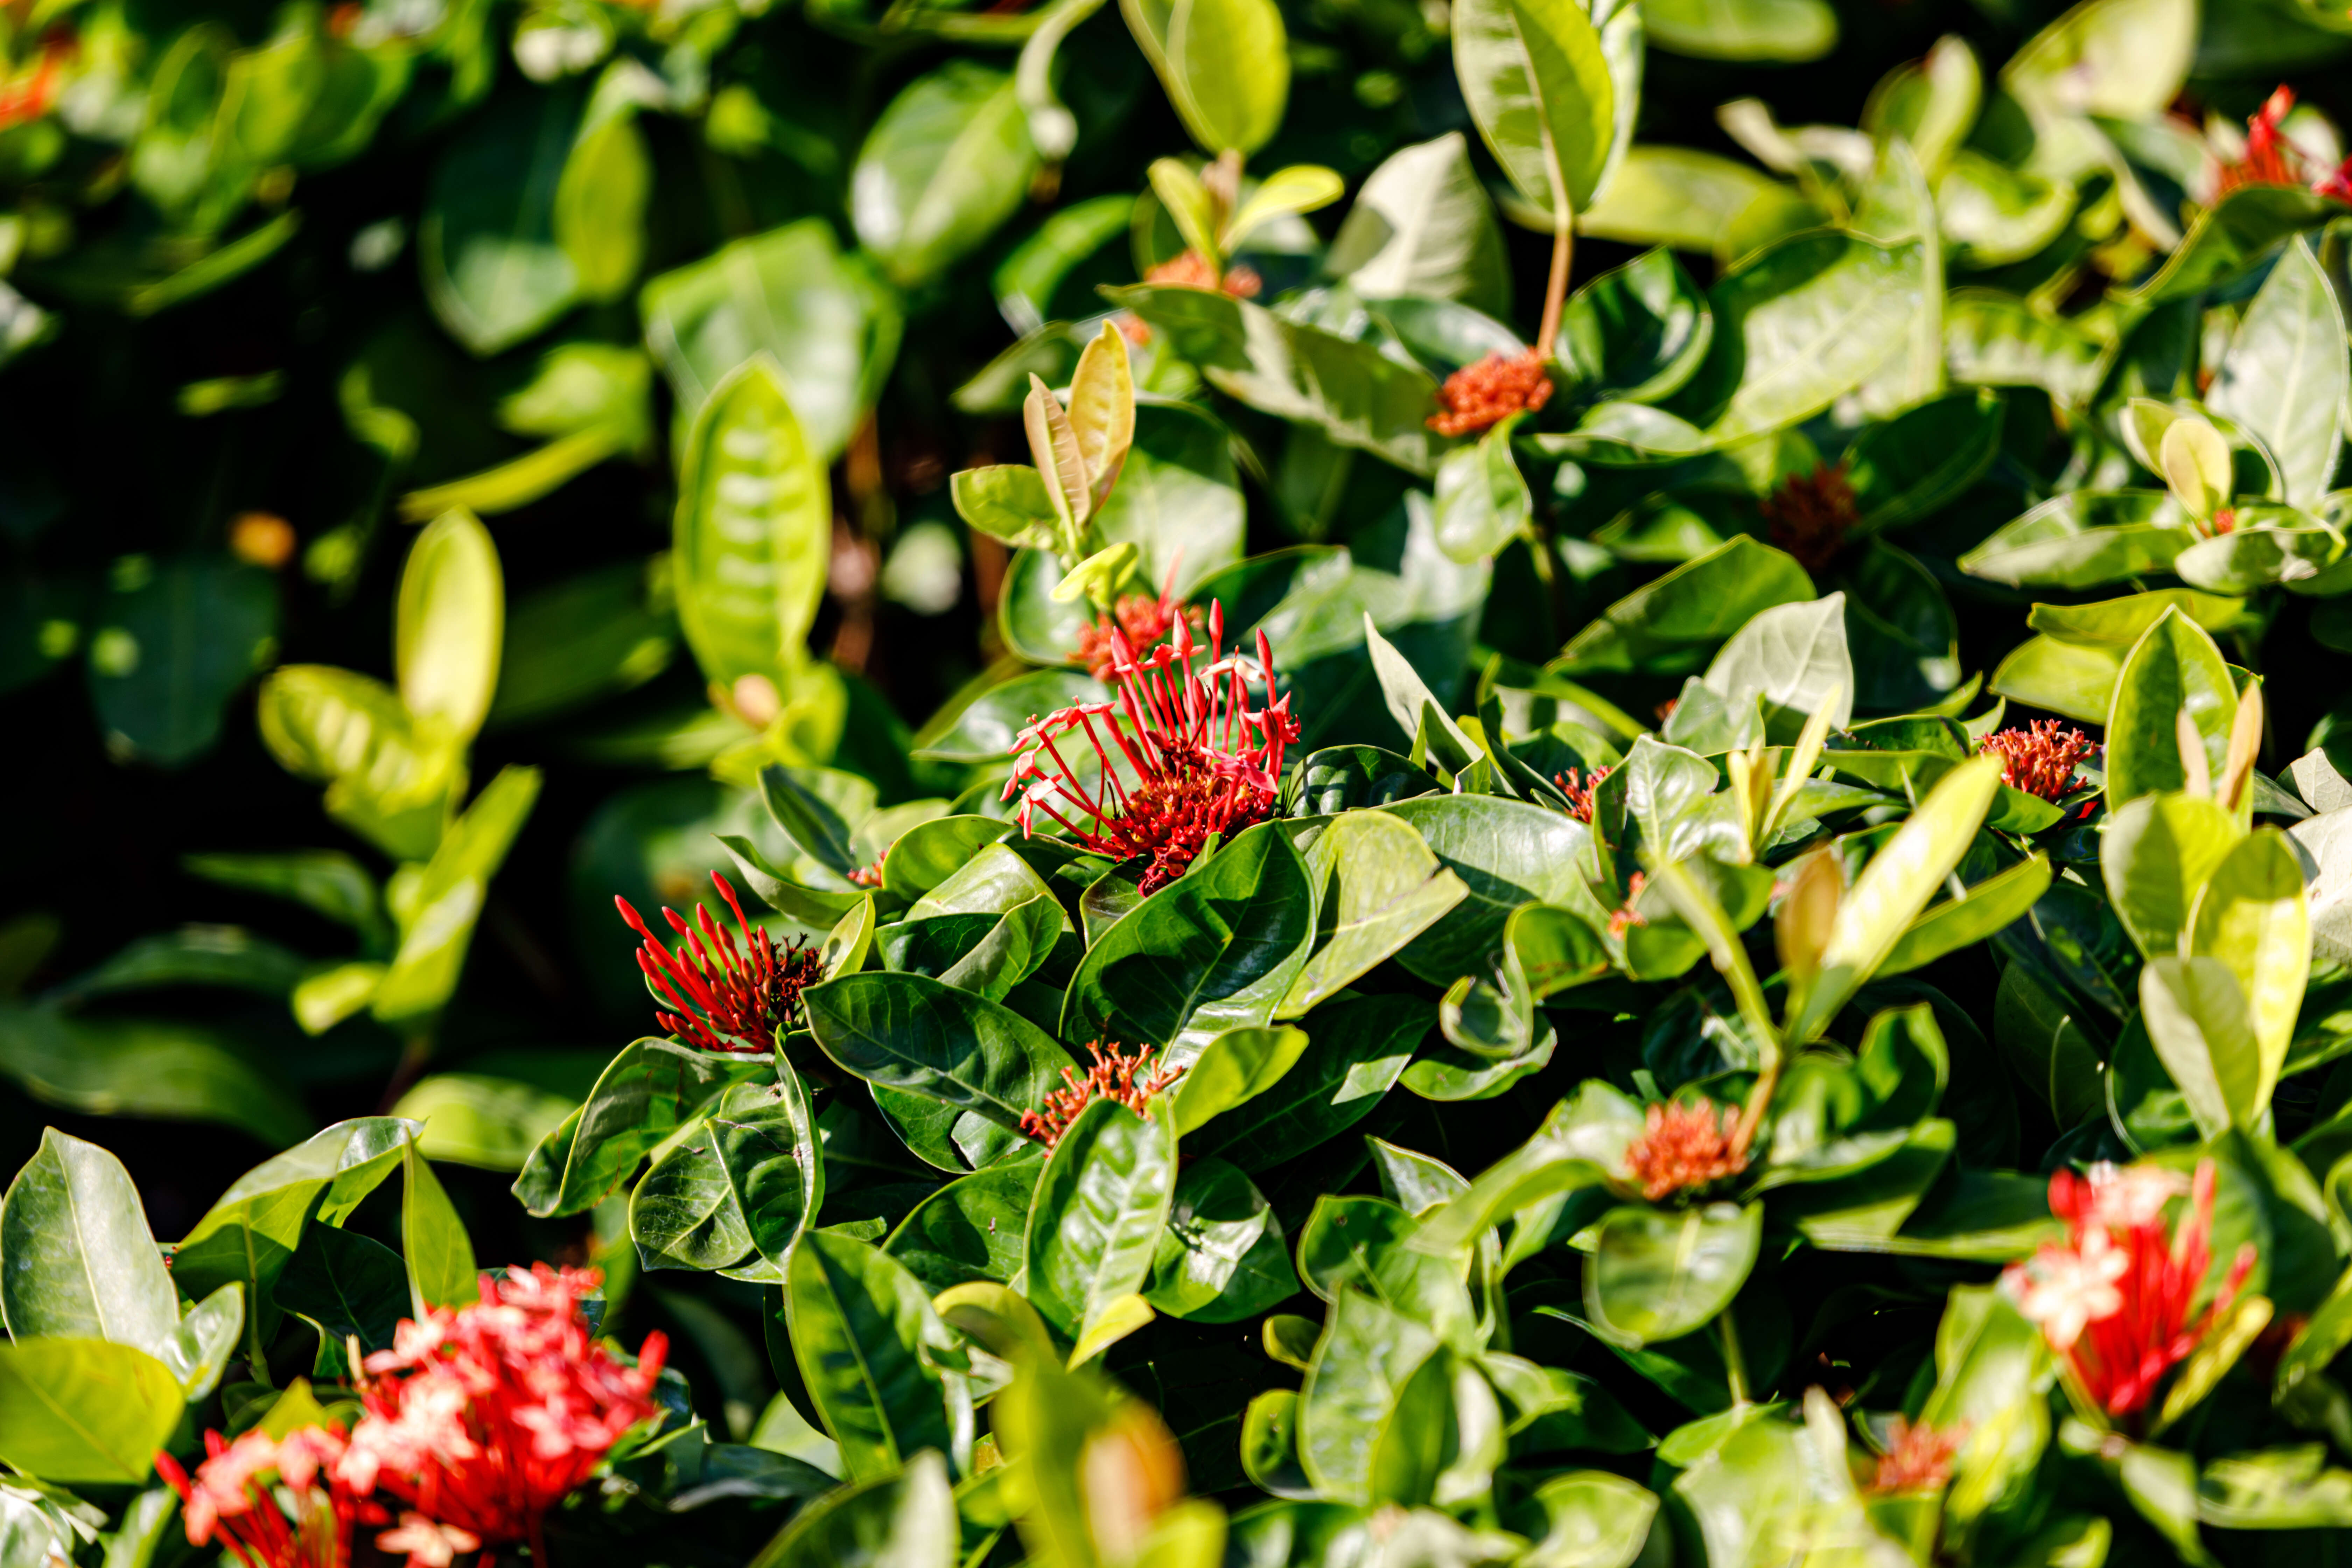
[1810,515]
[1202,762]
[1624,919]
[477,1422]
[1683,1147]
[1117,1074]
[1578,786]
[1478,396]
[2040,759]
[725,998]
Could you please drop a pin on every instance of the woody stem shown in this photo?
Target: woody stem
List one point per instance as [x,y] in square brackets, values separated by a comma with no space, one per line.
[1752,1115]
[1564,249]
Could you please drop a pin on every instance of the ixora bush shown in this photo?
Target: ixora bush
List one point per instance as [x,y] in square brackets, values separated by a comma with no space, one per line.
[1543,1015]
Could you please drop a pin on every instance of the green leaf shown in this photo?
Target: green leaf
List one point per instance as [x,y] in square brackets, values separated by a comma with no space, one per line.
[1671,626]
[1362,1045]
[440,1257]
[495,272]
[1697,201]
[870,1351]
[1907,469]
[451,623]
[1352,392]
[1507,854]
[1592,1519]
[1797,327]
[325,881]
[600,205]
[1994,215]
[438,924]
[650,1090]
[385,780]
[1423,227]
[1096,1218]
[1793,660]
[2157,853]
[946,164]
[983,729]
[2123,59]
[1218,948]
[2250,915]
[975,1227]
[754,529]
[199,1349]
[1657,1276]
[828,322]
[1637,332]
[1006,501]
[348,1286]
[739,1189]
[2174,669]
[1896,886]
[1234,1066]
[1297,189]
[482,1119]
[1226,64]
[1961,921]
[1482,499]
[80,1411]
[1363,1243]
[929,854]
[896,1518]
[1377,888]
[2231,237]
[1368,1356]
[171,645]
[921,1035]
[1221,1257]
[1997,339]
[150,1068]
[2203,1032]
[1776,30]
[81,1263]
[1540,90]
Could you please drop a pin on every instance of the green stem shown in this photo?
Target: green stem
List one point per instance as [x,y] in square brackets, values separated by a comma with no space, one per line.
[1735,1370]
[1563,251]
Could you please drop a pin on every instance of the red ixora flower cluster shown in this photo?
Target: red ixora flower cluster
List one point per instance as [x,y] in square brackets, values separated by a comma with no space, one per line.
[1118,1074]
[725,998]
[1143,620]
[478,1420]
[2040,759]
[1203,761]
[1683,1147]
[1917,1458]
[1578,786]
[2271,160]
[1478,396]
[30,96]
[2115,1300]
[482,1418]
[1811,514]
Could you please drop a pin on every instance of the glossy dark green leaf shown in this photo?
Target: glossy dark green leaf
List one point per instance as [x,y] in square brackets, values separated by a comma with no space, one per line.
[1670,626]
[1637,332]
[1226,64]
[870,1349]
[1482,498]
[1363,1245]
[1360,1045]
[347,1285]
[1219,948]
[1222,1256]
[1340,777]
[2081,540]
[1378,888]
[1097,1214]
[738,1190]
[652,1088]
[983,729]
[972,1228]
[81,1263]
[433,1240]
[928,855]
[1907,469]
[1507,853]
[1367,1357]
[171,645]
[922,1036]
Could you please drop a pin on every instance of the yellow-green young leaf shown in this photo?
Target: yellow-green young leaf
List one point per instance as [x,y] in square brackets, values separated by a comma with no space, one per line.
[433,1239]
[1226,65]
[1538,84]
[1956,922]
[84,1411]
[2198,1020]
[1300,188]
[437,924]
[451,625]
[1188,204]
[1111,1322]
[1897,885]
[600,205]
[2195,461]
[1055,446]
[754,529]
[1098,576]
[2252,916]
[2157,853]
[2224,1342]
[850,940]
[2174,666]
[1233,1067]
[1102,412]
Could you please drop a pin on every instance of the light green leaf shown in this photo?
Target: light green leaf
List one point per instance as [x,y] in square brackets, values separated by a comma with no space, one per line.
[1776,30]
[437,926]
[79,1411]
[1541,92]
[1100,1208]
[1659,1276]
[2286,375]
[946,164]
[451,625]
[80,1261]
